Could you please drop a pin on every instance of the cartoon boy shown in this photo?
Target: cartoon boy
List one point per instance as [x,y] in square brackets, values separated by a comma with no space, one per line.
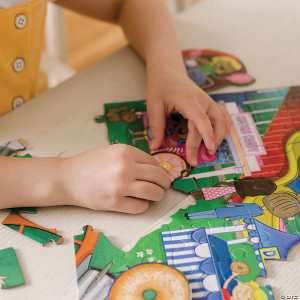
[241,291]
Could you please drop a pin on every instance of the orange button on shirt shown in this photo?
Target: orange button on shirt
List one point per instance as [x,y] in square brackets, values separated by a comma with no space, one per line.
[21,41]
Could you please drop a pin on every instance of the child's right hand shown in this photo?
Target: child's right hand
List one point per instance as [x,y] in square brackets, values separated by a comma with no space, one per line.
[117,177]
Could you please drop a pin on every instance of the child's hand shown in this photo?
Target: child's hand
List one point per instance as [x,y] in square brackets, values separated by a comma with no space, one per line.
[170,89]
[117,177]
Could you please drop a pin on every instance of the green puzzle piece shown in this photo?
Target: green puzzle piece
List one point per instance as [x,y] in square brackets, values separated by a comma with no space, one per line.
[10,271]
[121,119]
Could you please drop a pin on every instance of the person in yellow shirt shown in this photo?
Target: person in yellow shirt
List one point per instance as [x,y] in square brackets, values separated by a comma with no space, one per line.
[88,179]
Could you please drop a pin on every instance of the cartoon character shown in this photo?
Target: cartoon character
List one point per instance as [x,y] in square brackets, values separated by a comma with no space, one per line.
[141,135]
[242,291]
[177,135]
[119,114]
[221,64]
[211,69]
[241,211]
[282,205]
[244,187]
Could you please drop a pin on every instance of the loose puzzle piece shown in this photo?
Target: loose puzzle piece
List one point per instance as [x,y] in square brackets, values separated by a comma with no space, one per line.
[211,69]
[29,229]
[10,272]
[11,148]
[247,209]
[93,253]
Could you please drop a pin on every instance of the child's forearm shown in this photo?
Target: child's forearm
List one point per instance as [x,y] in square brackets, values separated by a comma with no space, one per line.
[31,182]
[150,28]
[148,25]
[118,177]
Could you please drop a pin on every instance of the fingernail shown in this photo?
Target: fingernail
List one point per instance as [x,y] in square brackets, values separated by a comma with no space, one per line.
[211,152]
[195,160]
[226,136]
[212,146]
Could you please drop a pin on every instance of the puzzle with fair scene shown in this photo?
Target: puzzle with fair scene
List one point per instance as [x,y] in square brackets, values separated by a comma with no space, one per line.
[245,208]
[210,70]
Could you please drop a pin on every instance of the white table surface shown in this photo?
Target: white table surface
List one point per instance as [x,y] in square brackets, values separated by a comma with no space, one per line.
[264,34]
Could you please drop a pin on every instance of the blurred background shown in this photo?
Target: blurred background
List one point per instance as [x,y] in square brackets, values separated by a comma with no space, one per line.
[74,41]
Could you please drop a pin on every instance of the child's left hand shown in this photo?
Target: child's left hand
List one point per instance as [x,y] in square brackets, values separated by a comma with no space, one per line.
[170,89]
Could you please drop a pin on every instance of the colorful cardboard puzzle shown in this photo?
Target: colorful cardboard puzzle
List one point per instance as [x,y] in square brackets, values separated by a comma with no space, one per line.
[211,69]
[246,211]
[10,271]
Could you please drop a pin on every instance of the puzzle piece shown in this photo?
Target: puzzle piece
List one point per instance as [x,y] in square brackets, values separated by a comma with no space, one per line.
[29,229]
[11,148]
[10,272]
[270,238]
[93,254]
[204,68]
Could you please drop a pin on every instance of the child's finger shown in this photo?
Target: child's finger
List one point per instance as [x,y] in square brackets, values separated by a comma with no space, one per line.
[146,190]
[198,116]
[154,174]
[227,120]
[193,142]
[142,157]
[219,130]
[157,122]
[130,205]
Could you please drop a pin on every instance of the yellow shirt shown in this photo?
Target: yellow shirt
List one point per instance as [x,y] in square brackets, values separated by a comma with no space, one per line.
[21,41]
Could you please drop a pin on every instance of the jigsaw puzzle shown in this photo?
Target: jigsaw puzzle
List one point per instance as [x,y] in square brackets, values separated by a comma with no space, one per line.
[10,272]
[14,220]
[247,207]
